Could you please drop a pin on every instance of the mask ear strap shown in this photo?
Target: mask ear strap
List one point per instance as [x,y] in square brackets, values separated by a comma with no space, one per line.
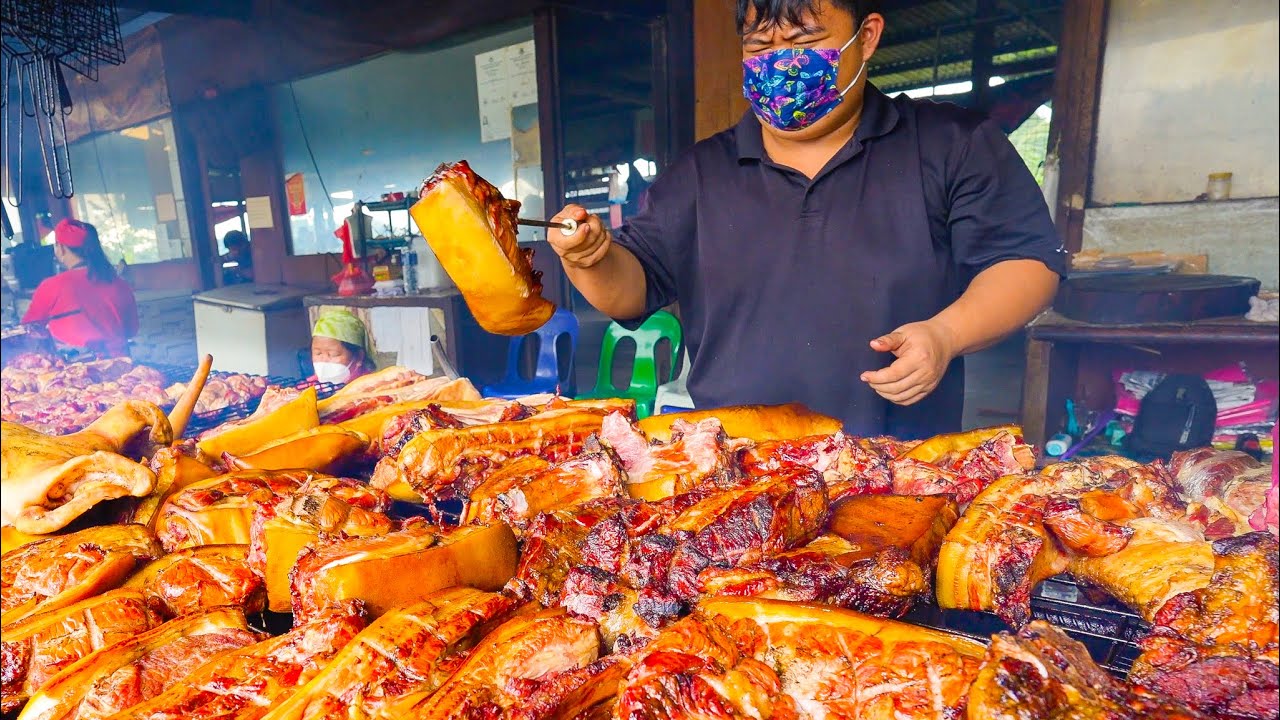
[861,69]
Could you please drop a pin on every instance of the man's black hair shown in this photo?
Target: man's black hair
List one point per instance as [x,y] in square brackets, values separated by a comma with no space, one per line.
[769,13]
[234,238]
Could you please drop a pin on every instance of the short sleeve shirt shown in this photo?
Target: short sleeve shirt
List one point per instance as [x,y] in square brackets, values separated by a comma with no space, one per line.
[783,280]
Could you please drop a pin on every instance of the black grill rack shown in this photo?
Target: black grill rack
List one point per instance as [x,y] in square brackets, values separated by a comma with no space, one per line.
[207,420]
[1109,631]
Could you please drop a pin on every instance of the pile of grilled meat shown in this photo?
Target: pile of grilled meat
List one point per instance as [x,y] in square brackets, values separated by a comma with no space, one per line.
[597,572]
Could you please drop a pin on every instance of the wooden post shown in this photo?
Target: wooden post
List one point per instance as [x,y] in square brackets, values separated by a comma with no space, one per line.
[717,61]
[1073,129]
[981,50]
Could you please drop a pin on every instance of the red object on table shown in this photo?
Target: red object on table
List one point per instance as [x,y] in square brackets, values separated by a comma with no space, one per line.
[352,279]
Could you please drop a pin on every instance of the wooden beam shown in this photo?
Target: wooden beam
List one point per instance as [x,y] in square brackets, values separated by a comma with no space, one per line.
[1073,129]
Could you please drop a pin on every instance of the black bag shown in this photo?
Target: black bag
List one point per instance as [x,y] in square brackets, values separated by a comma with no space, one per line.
[1178,414]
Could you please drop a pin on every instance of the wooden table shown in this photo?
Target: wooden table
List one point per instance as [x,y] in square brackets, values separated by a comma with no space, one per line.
[1070,359]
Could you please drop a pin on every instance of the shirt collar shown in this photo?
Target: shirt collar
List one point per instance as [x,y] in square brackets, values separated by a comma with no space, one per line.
[879,117]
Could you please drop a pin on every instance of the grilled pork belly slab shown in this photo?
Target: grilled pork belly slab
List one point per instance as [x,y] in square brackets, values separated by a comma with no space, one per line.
[58,571]
[529,485]
[139,668]
[397,569]
[771,659]
[219,510]
[280,531]
[693,455]
[849,466]
[175,468]
[504,666]
[1000,548]
[450,462]
[200,578]
[1042,673]
[1217,648]
[757,423]
[244,684]
[38,648]
[407,650]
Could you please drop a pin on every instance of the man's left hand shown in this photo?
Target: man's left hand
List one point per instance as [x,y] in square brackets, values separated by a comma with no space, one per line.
[923,350]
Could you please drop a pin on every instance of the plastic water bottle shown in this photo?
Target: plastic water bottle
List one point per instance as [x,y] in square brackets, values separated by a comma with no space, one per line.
[410,271]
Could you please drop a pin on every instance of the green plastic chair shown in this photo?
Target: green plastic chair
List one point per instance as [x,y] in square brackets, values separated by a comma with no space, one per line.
[644,372]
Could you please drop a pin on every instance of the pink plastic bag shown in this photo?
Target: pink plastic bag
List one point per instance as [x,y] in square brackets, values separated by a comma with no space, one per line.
[1267,517]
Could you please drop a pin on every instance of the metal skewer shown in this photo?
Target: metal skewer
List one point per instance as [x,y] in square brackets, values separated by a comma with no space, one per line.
[567,227]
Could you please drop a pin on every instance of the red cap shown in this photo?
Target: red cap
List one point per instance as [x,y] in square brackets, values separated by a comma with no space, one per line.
[70,234]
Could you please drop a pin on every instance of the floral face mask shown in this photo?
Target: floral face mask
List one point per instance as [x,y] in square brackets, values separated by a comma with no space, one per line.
[792,88]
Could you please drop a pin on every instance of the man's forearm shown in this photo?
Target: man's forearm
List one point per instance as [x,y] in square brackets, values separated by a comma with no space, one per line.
[615,286]
[999,301]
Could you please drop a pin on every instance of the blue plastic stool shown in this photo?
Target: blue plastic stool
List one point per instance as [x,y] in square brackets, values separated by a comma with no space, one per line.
[546,374]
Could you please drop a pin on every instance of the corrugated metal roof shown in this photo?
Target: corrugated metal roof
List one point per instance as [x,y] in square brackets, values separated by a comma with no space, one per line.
[920,35]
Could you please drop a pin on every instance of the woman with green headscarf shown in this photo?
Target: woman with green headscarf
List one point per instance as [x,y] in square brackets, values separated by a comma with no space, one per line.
[339,348]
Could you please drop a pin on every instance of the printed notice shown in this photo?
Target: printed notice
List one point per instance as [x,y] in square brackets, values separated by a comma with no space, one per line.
[259,211]
[505,78]
[491,87]
[166,208]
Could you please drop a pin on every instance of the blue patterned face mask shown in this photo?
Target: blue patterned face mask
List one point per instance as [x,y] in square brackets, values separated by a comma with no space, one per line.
[792,88]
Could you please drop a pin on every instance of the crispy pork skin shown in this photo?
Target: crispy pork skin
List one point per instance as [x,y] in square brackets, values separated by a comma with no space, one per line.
[757,423]
[58,571]
[529,485]
[408,650]
[501,670]
[139,668]
[472,230]
[450,462]
[243,684]
[1217,648]
[374,569]
[280,531]
[1042,673]
[38,648]
[202,577]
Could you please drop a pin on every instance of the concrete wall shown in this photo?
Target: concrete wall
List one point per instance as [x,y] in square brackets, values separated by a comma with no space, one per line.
[1190,87]
[166,330]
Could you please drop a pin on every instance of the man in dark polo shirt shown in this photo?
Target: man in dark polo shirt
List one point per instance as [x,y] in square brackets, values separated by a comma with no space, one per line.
[837,247]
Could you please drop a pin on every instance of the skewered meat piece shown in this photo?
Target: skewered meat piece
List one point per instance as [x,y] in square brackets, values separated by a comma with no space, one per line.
[139,668]
[472,230]
[1042,673]
[38,648]
[505,666]
[530,485]
[374,569]
[243,684]
[450,462]
[694,455]
[408,650]
[48,481]
[200,578]
[757,423]
[61,570]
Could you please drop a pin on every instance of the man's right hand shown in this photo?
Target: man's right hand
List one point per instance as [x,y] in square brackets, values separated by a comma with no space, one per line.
[588,245]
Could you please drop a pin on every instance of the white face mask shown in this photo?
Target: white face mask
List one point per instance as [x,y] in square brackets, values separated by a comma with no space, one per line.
[332,372]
